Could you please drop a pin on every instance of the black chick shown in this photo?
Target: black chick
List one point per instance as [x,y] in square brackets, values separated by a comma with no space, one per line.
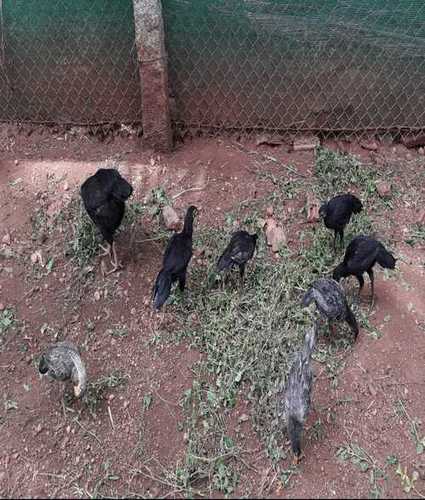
[298,393]
[104,195]
[337,213]
[361,255]
[176,259]
[238,252]
[331,302]
[62,362]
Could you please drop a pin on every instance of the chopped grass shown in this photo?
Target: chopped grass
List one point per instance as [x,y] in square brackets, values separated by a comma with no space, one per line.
[418,440]
[7,322]
[118,331]
[249,336]
[417,235]
[84,245]
[359,457]
[96,389]
[342,172]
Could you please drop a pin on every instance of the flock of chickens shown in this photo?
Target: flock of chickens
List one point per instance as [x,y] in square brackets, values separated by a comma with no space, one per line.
[104,195]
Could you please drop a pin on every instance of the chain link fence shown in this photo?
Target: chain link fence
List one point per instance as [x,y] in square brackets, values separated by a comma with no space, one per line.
[297,65]
[70,62]
[245,65]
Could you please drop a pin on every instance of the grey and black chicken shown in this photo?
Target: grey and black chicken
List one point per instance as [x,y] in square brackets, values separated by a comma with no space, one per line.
[337,213]
[175,261]
[104,195]
[238,252]
[331,302]
[62,362]
[298,393]
[361,255]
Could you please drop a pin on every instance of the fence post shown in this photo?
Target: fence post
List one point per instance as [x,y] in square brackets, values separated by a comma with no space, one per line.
[153,71]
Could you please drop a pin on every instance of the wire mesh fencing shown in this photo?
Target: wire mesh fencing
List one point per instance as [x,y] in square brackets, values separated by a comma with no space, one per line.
[297,65]
[68,62]
[245,65]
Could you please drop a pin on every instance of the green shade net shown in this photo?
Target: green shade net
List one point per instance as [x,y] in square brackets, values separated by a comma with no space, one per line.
[297,64]
[68,61]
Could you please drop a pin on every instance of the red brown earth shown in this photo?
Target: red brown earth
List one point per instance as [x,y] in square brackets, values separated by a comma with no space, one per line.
[52,451]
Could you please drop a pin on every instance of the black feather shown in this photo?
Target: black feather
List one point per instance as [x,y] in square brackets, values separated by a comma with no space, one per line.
[175,261]
[238,252]
[338,211]
[360,257]
[104,195]
[162,288]
[385,259]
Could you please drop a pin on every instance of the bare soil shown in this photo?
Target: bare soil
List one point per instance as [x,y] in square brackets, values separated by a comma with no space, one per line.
[134,433]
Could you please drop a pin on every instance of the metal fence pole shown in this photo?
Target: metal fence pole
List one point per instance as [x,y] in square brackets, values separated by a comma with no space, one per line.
[149,30]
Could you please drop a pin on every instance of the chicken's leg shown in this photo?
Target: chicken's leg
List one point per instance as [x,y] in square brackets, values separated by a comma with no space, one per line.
[372,286]
[182,281]
[114,261]
[241,275]
[106,250]
[341,237]
[297,459]
[361,283]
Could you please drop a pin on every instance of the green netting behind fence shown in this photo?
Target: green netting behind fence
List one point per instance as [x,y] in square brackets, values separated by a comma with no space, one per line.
[297,64]
[68,61]
[244,64]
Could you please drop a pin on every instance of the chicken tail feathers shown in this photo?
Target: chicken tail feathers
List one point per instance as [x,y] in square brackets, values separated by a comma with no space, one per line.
[162,288]
[385,259]
[224,262]
[295,429]
[356,205]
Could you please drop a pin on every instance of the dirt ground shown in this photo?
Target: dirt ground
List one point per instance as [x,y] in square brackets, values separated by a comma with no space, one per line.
[125,446]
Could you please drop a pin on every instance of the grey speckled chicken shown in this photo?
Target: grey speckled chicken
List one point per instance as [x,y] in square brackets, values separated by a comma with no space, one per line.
[331,302]
[62,362]
[298,392]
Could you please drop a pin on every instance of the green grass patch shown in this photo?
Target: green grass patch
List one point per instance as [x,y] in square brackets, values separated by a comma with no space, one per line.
[337,172]
[367,464]
[249,336]
[96,389]
[7,322]
[417,235]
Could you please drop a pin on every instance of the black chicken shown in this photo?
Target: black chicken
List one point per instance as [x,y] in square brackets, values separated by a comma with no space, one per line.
[62,362]
[104,195]
[238,252]
[361,255]
[176,259]
[337,212]
[331,302]
[298,393]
